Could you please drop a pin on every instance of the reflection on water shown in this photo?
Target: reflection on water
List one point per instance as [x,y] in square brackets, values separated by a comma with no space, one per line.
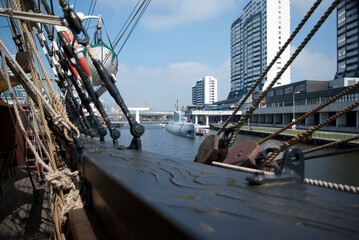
[340,169]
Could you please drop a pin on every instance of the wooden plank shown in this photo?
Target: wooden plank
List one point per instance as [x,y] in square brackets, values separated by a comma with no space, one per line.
[21,215]
[80,226]
[155,196]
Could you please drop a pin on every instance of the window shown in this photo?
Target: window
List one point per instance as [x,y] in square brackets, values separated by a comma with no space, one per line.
[288,90]
[279,92]
[313,101]
[300,88]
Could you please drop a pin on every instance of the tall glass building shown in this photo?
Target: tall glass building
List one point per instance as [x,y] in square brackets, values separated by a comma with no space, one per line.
[347,36]
[256,36]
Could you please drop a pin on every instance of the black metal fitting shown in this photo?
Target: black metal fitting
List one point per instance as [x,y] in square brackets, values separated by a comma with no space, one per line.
[291,170]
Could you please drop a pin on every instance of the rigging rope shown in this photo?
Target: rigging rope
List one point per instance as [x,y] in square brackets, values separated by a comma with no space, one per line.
[119,35]
[331,144]
[17,105]
[61,117]
[308,133]
[264,73]
[134,26]
[249,112]
[330,101]
[33,17]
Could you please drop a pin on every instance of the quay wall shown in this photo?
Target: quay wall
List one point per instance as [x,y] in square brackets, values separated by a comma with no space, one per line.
[325,137]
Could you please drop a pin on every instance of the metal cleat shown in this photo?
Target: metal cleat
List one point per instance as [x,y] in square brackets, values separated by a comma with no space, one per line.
[291,170]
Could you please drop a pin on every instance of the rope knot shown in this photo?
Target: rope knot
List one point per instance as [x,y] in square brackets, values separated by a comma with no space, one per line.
[62,179]
[58,120]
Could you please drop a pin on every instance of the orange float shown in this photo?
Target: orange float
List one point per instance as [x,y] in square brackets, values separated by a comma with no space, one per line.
[83,64]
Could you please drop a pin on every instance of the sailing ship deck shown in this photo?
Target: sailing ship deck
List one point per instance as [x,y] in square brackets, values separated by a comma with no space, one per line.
[21,215]
[144,195]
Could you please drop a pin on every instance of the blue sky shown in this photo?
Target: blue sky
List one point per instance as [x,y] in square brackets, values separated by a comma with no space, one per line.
[180,41]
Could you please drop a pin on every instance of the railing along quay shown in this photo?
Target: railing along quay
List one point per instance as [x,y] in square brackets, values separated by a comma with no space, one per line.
[318,137]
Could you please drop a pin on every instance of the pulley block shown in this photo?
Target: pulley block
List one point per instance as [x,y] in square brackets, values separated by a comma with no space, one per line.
[210,151]
[244,154]
[22,58]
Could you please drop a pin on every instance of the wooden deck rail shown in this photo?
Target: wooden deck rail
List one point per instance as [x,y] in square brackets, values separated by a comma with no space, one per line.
[143,195]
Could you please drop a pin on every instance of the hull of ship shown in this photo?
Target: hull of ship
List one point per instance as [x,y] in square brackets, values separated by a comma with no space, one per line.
[181,129]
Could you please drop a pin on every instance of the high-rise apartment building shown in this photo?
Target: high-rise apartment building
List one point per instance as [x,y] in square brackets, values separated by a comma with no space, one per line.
[347,36]
[204,91]
[256,37]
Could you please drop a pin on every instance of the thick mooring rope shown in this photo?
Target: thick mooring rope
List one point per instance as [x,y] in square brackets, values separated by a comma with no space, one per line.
[331,185]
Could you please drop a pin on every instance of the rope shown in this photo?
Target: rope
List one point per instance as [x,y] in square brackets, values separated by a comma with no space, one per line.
[309,132]
[240,168]
[249,112]
[58,181]
[33,17]
[64,180]
[35,78]
[319,183]
[29,85]
[57,105]
[331,144]
[330,101]
[264,73]
[330,185]
[5,75]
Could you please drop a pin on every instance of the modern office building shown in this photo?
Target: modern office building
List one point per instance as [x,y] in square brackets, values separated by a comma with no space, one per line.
[19,91]
[348,36]
[204,91]
[256,36]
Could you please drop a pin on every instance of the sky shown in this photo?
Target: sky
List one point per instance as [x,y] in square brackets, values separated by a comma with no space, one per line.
[178,42]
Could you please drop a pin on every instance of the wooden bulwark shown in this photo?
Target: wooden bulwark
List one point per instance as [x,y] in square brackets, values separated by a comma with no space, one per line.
[144,195]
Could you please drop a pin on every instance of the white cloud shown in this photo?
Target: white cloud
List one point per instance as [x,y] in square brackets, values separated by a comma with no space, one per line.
[160,87]
[163,13]
[166,13]
[312,66]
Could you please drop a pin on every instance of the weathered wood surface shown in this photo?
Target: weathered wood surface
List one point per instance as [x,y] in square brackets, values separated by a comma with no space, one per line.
[22,216]
[156,196]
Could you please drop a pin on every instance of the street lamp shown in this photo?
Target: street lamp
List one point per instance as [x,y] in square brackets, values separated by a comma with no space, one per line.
[293,119]
[249,126]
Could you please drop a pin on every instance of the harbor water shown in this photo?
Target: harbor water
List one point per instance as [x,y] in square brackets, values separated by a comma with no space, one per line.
[339,169]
